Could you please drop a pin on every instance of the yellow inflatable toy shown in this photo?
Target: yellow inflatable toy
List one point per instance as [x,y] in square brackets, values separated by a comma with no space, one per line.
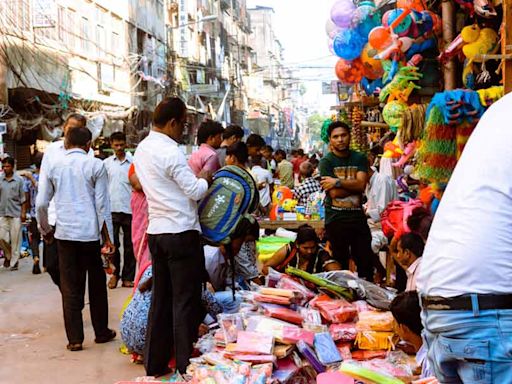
[478,42]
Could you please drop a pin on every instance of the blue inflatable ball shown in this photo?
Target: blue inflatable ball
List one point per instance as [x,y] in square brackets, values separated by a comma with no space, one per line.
[366,17]
[348,44]
[403,27]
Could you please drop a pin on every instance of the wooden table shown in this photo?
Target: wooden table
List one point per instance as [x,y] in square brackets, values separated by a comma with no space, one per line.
[289,224]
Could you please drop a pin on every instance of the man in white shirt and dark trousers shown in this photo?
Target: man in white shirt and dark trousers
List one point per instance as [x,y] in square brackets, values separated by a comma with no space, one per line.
[79,186]
[465,280]
[52,152]
[120,190]
[172,192]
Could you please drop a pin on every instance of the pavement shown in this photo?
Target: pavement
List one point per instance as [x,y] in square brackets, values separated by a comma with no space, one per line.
[33,340]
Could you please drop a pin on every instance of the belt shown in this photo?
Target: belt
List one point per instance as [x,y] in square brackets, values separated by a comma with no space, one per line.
[465,302]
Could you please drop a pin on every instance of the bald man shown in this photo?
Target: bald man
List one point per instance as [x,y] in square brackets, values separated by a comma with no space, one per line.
[308,186]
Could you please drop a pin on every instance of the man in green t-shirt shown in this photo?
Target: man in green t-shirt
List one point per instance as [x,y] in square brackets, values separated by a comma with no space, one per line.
[344,177]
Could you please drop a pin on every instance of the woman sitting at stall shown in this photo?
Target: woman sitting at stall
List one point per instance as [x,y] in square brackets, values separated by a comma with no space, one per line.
[306,253]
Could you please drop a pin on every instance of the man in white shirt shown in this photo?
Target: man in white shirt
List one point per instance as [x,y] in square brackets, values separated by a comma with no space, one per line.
[380,191]
[172,192]
[264,180]
[79,186]
[409,251]
[53,152]
[120,192]
[465,281]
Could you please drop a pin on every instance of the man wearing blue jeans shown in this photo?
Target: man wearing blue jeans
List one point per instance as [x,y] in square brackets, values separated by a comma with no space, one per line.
[465,283]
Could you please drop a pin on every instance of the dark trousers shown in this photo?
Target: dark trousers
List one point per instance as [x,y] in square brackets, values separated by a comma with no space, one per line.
[51,261]
[35,237]
[175,314]
[124,221]
[78,260]
[352,240]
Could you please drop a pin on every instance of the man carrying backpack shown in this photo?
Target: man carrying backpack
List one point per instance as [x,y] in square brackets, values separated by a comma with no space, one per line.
[172,192]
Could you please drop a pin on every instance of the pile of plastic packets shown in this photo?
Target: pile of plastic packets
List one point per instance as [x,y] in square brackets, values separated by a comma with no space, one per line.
[302,328]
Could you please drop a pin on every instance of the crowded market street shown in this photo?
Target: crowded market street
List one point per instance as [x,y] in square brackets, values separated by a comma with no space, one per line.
[255,191]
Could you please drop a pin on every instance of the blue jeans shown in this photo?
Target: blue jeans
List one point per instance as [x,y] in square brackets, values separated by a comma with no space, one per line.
[469,346]
[225,299]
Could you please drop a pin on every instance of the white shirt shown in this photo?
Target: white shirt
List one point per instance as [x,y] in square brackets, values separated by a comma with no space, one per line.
[79,186]
[469,248]
[119,186]
[52,152]
[172,190]
[412,275]
[380,192]
[262,175]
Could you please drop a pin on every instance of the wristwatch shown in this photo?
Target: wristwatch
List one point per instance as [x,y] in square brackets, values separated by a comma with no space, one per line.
[338,183]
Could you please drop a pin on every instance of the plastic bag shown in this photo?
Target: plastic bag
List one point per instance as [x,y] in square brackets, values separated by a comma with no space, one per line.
[334,310]
[254,343]
[311,357]
[344,349]
[282,313]
[343,332]
[230,325]
[326,349]
[373,374]
[293,335]
[373,340]
[375,296]
[311,316]
[273,277]
[303,294]
[376,321]
[269,326]
[272,299]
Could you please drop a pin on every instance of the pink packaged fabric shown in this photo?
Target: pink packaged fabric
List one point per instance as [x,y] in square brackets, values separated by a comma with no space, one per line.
[254,343]
[334,310]
[343,332]
[292,335]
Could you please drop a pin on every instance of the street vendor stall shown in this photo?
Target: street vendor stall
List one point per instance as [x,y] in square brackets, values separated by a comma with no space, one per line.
[289,224]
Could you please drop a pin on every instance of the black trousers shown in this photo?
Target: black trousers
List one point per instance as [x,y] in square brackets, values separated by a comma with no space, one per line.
[78,260]
[352,240]
[35,237]
[176,311]
[51,261]
[124,221]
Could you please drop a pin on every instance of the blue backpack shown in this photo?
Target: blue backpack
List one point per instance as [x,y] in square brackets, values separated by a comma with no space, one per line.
[232,196]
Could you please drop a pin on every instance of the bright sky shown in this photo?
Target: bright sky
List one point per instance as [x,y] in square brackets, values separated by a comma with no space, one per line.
[300,26]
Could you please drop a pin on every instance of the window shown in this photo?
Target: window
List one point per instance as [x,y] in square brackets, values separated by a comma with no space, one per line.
[117,32]
[61,19]
[101,41]
[70,28]
[84,34]
[115,43]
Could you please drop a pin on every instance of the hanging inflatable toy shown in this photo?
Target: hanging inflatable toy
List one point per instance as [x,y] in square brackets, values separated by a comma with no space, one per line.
[349,72]
[342,12]
[372,68]
[348,44]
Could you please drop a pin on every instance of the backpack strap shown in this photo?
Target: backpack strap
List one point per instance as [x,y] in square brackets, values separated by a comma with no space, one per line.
[292,253]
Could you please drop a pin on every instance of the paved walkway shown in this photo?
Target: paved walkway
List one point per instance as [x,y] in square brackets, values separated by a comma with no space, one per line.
[33,341]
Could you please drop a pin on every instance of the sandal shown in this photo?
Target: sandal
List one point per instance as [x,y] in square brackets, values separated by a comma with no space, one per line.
[112,283]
